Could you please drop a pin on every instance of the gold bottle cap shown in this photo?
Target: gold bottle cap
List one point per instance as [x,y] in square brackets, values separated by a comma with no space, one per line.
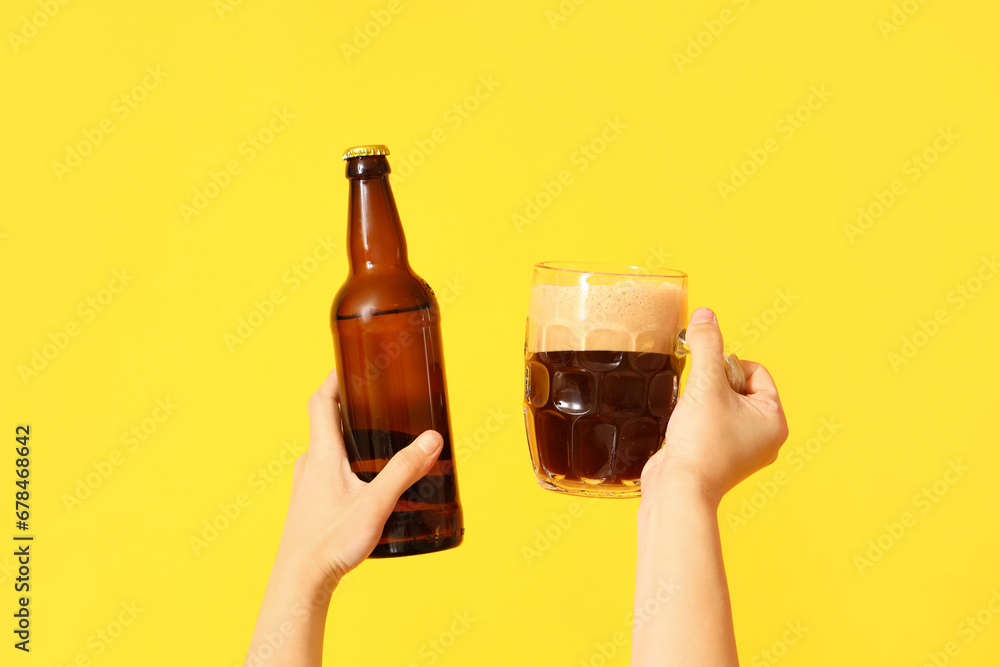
[362,151]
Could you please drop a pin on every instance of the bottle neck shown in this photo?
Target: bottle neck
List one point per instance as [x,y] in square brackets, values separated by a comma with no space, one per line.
[375,236]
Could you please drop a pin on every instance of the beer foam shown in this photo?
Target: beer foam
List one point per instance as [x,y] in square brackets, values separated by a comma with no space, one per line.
[631,316]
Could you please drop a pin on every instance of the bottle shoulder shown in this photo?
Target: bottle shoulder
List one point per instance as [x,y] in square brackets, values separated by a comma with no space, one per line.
[373,292]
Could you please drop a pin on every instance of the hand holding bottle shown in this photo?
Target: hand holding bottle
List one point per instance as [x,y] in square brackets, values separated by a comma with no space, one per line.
[334,521]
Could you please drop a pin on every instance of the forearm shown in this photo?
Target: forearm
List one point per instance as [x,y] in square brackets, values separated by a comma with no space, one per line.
[679,552]
[292,619]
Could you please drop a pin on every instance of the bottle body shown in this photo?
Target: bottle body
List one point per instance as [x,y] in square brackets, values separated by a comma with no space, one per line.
[392,386]
[390,365]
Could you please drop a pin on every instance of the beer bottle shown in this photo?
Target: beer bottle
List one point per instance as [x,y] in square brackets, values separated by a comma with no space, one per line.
[387,335]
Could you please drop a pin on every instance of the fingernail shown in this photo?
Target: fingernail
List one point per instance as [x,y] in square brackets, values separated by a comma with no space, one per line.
[703,315]
[428,444]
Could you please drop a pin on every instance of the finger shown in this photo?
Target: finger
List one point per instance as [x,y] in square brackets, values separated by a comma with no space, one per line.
[403,470]
[708,360]
[325,436]
[760,384]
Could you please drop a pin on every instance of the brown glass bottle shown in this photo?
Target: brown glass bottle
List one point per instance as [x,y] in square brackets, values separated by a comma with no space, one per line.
[387,335]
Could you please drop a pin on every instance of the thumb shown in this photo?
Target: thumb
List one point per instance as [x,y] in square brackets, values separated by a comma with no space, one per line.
[708,361]
[403,470]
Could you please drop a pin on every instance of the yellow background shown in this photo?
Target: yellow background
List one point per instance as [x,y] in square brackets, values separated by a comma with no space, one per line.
[651,197]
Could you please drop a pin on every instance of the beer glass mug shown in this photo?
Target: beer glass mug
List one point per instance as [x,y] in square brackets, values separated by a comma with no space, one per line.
[603,354]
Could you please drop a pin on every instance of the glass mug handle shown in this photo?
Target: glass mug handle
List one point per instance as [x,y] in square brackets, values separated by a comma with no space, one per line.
[734,369]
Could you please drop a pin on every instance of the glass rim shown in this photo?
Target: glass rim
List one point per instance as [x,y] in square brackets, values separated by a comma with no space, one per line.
[609,269]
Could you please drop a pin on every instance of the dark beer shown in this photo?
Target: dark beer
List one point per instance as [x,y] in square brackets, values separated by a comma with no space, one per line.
[387,334]
[602,368]
[595,417]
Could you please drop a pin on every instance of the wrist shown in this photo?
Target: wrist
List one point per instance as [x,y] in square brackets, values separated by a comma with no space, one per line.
[679,482]
[304,574]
